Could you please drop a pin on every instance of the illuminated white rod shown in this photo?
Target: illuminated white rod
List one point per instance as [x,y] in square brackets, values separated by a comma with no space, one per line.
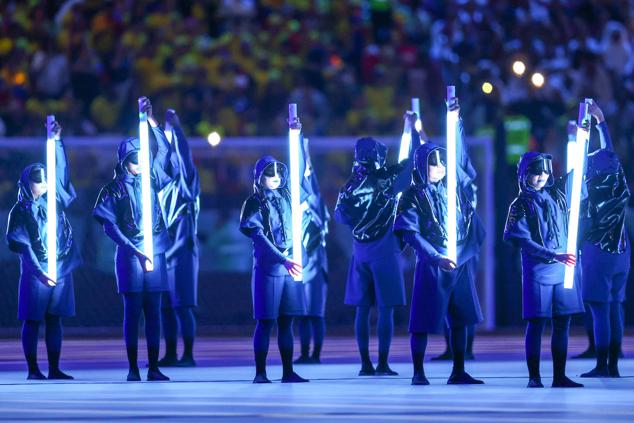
[583,137]
[146,193]
[51,200]
[406,138]
[452,124]
[294,143]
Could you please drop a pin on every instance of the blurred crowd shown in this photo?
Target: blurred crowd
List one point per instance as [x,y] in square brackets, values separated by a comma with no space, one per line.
[233,65]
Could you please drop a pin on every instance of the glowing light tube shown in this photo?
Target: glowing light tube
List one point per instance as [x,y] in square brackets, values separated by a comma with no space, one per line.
[51,200]
[146,193]
[294,143]
[406,138]
[570,147]
[583,137]
[452,125]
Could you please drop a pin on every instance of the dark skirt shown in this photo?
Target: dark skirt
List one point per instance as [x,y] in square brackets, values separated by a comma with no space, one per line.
[182,279]
[604,274]
[316,291]
[548,300]
[376,282]
[35,299]
[132,278]
[275,296]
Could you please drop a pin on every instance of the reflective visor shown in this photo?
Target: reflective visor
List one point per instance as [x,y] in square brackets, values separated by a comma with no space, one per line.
[542,165]
[271,170]
[37,175]
[436,157]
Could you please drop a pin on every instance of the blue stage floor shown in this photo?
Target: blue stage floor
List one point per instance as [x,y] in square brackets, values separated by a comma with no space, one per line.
[335,393]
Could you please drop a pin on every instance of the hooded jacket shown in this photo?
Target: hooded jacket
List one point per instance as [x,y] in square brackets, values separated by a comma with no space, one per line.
[421,217]
[118,207]
[608,195]
[266,218]
[27,225]
[367,202]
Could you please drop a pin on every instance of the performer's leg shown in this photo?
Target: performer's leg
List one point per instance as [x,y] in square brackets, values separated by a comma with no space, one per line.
[132,305]
[285,345]
[54,346]
[385,329]
[261,338]
[601,318]
[303,324]
[188,328]
[589,352]
[445,355]
[362,332]
[458,338]
[471,329]
[533,346]
[170,332]
[30,333]
[559,349]
[319,330]
[418,345]
[152,313]
[616,338]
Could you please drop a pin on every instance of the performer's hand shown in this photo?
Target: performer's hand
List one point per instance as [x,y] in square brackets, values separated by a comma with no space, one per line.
[595,111]
[56,130]
[410,119]
[453,105]
[567,259]
[46,280]
[294,123]
[171,118]
[446,263]
[294,269]
[146,106]
[143,260]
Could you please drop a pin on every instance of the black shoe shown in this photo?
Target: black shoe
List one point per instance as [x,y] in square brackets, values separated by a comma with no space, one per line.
[168,362]
[589,353]
[57,374]
[565,382]
[463,378]
[613,371]
[261,378]
[419,379]
[367,370]
[156,376]
[294,378]
[384,370]
[315,360]
[535,382]
[186,362]
[597,372]
[35,375]
[447,355]
[302,359]
[134,375]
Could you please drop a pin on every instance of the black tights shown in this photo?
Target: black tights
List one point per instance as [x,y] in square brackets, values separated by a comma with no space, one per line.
[53,337]
[315,327]
[148,303]
[384,331]
[172,319]
[261,339]
[558,345]
[608,331]
[458,343]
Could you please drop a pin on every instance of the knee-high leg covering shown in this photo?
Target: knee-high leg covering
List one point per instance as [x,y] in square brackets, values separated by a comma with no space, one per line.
[588,324]
[169,322]
[53,338]
[470,338]
[458,337]
[533,345]
[362,332]
[285,343]
[261,338]
[132,306]
[602,333]
[385,329]
[304,326]
[616,339]
[319,329]
[152,313]
[188,328]
[418,345]
[559,345]
[30,333]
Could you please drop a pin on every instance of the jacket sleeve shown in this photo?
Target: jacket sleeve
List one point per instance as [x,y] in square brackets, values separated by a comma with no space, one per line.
[114,233]
[466,172]
[346,209]
[517,232]
[251,225]
[604,136]
[19,240]
[64,188]
[403,171]
[407,228]
[189,172]
[162,168]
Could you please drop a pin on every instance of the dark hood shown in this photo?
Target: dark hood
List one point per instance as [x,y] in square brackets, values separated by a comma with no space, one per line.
[602,162]
[522,169]
[421,161]
[370,153]
[24,187]
[262,164]
[126,147]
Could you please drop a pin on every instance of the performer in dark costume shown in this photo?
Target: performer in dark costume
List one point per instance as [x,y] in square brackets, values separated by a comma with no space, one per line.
[605,254]
[266,219]
[39,297]
[180,205]
[444,291]
[315,271]
[537,222]
[367,204]
[119,211]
